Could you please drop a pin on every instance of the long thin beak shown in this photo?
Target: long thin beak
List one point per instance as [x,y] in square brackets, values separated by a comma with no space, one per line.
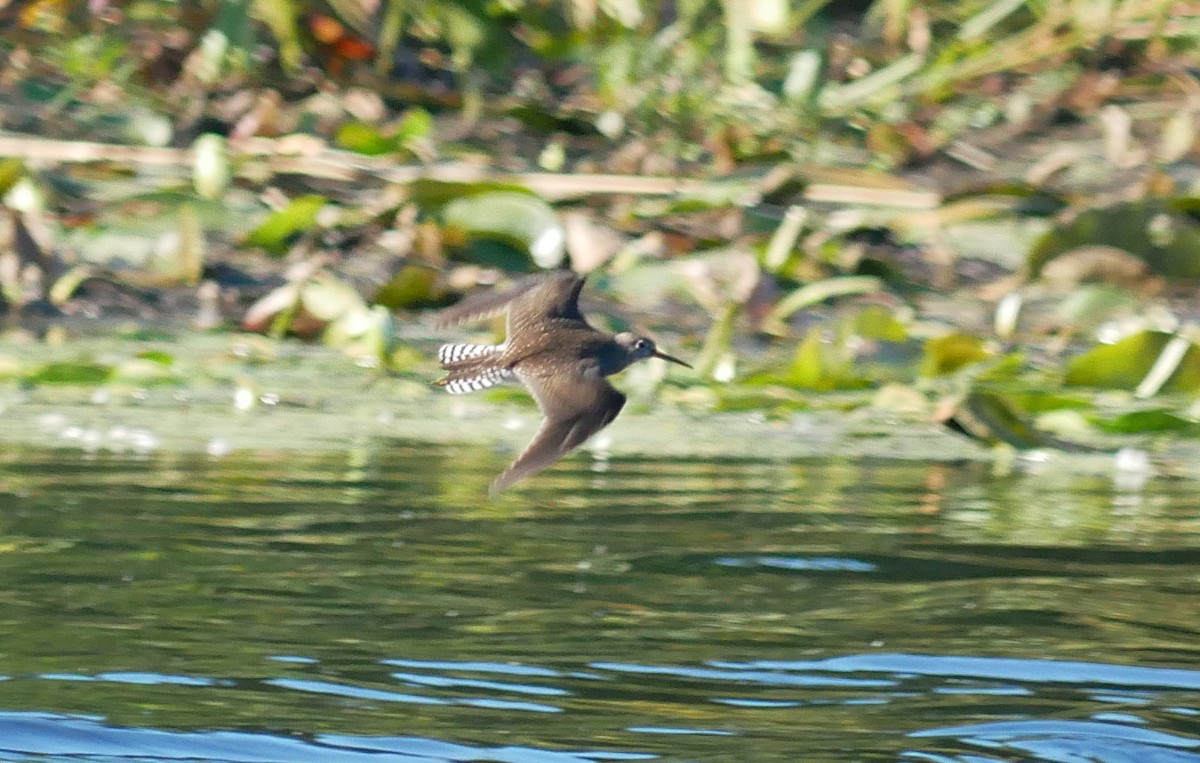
[665,356]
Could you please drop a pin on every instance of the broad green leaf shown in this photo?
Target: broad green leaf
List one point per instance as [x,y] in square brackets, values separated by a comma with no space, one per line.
[411,286]
[68,372]
[879,323]
[519,219]
[277,231]
[364,138]
[1125,364]
[1154,420]
[947,354]
[157,356]
[416,124]
[818,365]
[11,170]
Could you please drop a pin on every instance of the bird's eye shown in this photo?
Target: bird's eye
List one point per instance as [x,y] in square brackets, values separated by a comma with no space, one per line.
[641,344]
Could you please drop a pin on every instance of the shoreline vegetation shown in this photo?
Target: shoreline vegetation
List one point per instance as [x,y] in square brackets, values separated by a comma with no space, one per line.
[979,215]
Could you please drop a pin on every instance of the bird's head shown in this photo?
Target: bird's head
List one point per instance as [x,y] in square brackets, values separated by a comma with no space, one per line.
[640,347]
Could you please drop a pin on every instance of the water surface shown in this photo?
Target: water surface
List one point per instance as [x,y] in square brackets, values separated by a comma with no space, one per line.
[370,605]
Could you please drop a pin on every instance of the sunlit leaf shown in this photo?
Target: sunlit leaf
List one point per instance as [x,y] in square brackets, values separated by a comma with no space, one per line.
[276,233]
[365,138]
[519,219]
[157,356]
[11,170]
[1154,420]
[819,365]
[1125,364]
[879,323]
[67,372]
[328,298]
[411,286]
[416,124]
[947,354]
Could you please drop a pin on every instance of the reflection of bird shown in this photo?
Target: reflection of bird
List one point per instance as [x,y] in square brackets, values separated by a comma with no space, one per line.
[553,351]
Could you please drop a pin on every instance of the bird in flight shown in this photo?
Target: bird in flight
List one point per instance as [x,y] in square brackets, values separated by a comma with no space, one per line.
[551,349]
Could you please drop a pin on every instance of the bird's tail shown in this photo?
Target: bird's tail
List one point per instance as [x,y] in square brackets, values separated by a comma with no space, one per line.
[471,367]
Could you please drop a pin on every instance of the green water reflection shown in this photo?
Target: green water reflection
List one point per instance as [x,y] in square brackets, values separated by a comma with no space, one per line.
[674,608]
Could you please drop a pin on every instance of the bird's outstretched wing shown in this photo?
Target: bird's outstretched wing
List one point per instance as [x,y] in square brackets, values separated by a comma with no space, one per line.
[575,408]
[557,295]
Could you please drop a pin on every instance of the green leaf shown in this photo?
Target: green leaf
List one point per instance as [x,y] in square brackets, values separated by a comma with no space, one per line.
[11,170]
[818,365]
[947,354]
[411,286]
[416,124]
[1154,420]
[518,219]
[879,323]
[277,231]
[1124,364]
[364,138]
[157,356]
[68,372]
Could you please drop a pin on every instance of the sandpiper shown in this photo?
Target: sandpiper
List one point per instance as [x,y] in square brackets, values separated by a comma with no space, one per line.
[551,349]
